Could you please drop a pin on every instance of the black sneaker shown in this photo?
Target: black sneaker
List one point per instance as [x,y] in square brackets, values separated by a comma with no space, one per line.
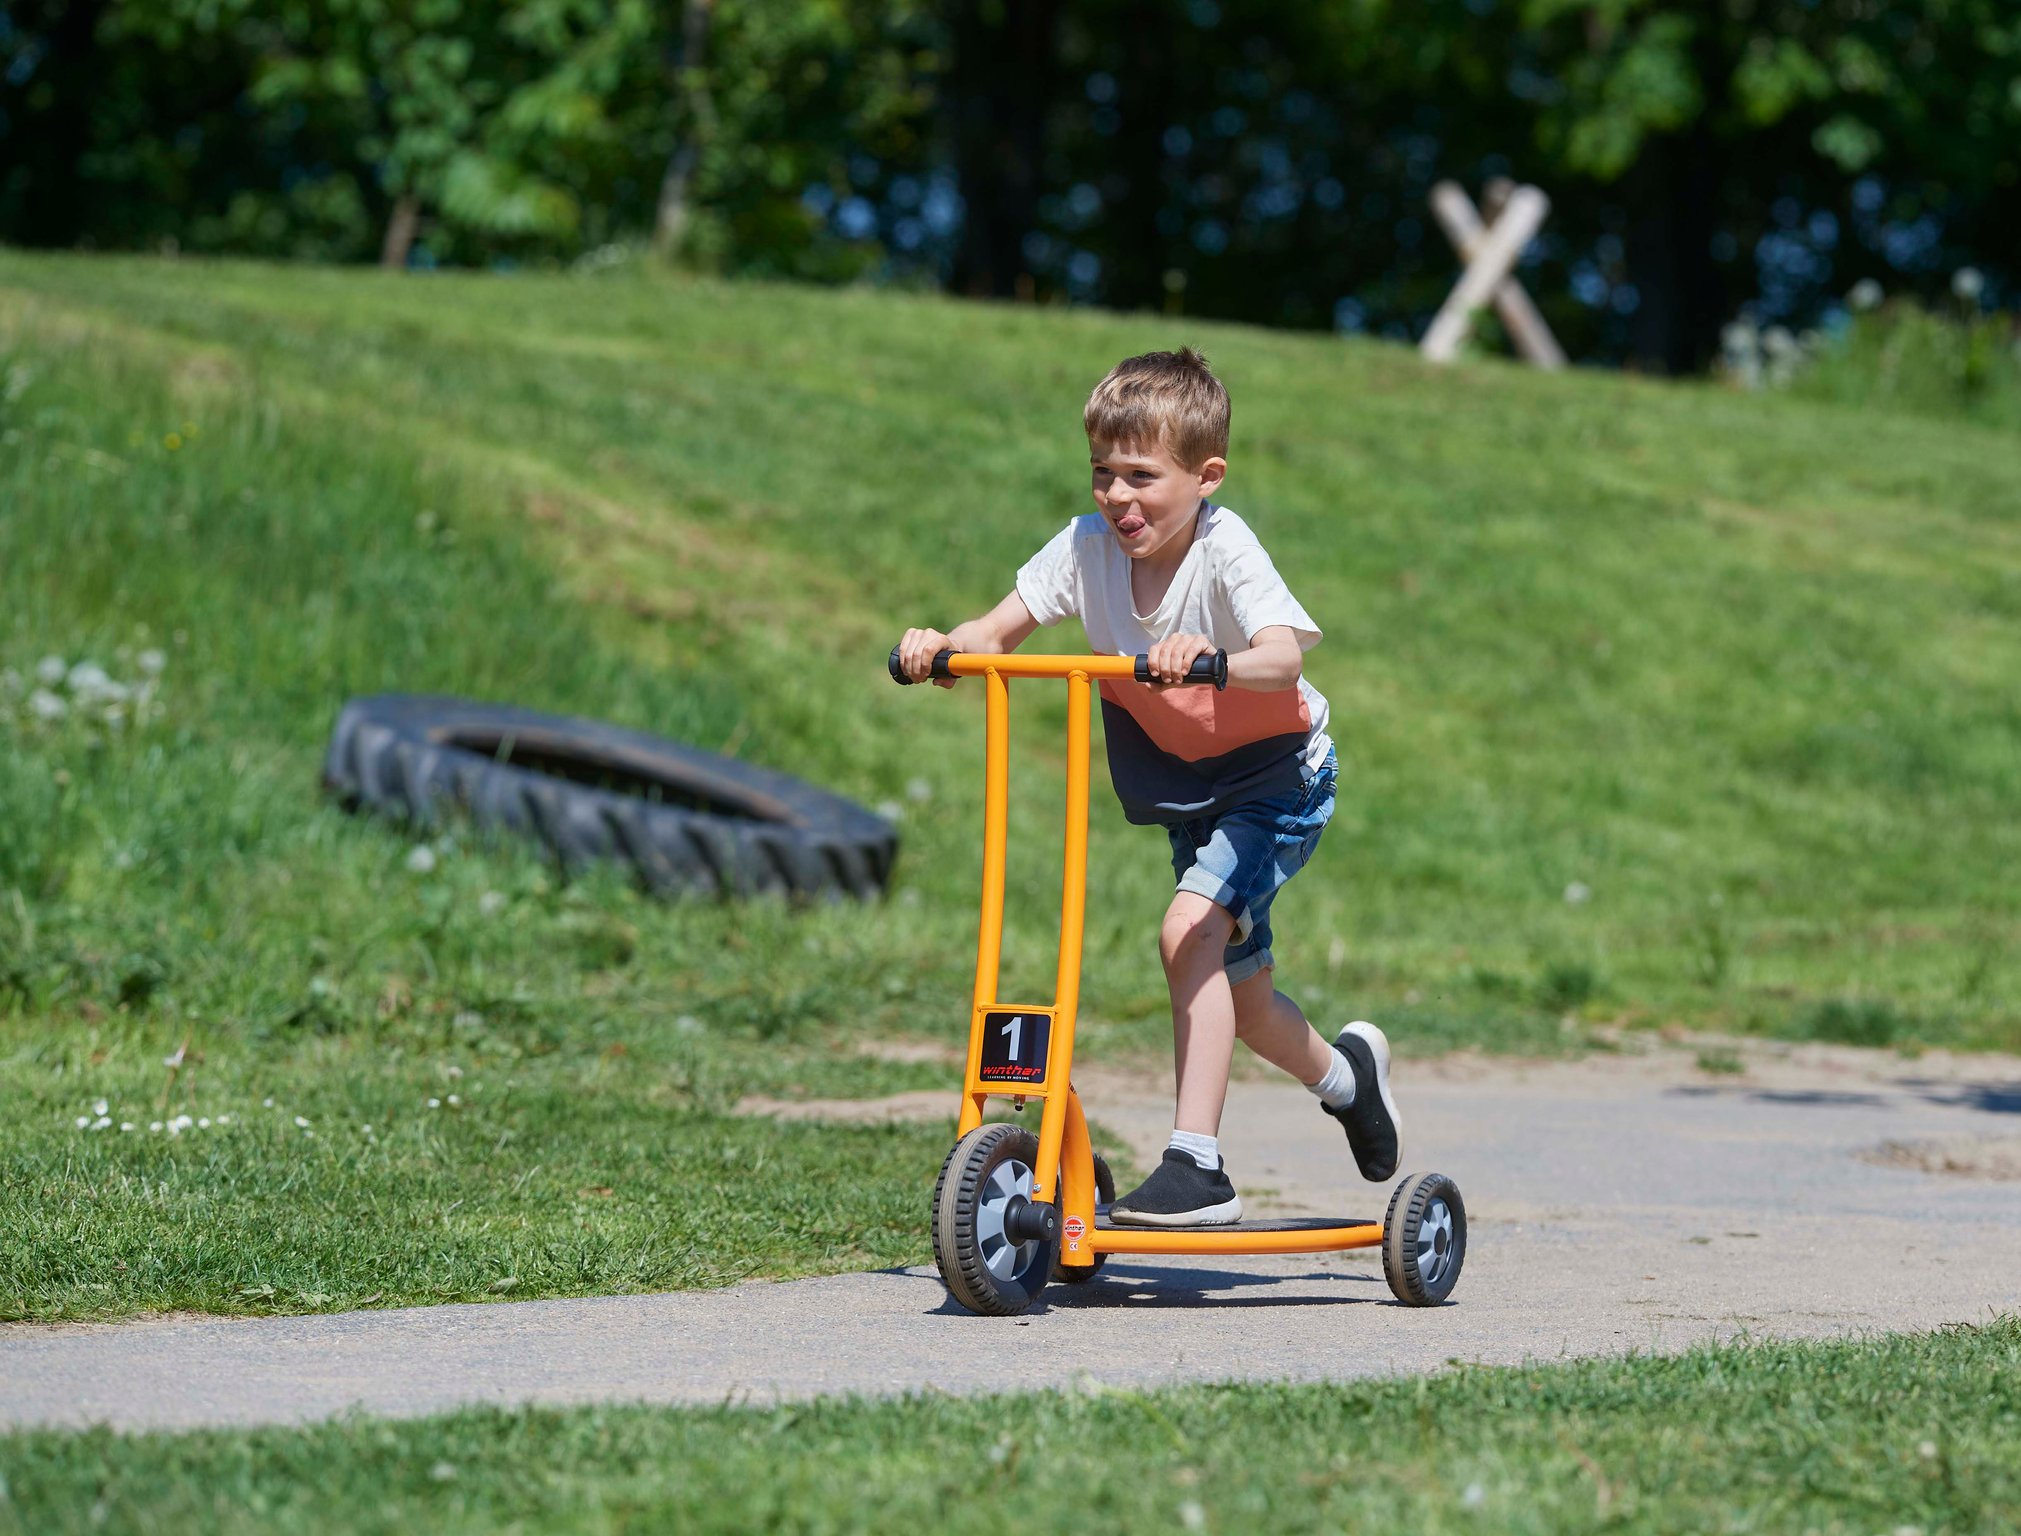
[1374,1129]
[1180,1193]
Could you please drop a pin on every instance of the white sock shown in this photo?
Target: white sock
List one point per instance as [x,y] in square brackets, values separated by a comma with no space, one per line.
[1336,1089]
[1204,1150]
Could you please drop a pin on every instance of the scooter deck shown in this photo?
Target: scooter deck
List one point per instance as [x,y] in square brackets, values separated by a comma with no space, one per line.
[1289,1234]
[1281,1224]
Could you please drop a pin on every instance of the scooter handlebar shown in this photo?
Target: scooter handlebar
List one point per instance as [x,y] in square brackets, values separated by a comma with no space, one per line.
[1206,669]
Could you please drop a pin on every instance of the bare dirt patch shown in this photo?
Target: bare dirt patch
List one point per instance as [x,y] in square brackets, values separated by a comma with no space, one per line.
[1970,1157]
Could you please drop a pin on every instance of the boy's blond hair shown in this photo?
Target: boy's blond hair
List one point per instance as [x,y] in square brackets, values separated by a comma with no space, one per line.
[1169,400]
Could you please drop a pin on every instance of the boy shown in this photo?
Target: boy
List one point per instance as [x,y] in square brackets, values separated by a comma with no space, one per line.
[1242,781]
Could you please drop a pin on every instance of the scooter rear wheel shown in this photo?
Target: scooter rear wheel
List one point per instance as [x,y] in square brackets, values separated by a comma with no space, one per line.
[984,1268]
[1424,1239]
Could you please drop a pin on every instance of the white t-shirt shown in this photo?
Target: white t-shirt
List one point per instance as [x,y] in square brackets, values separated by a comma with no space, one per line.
[1184,752]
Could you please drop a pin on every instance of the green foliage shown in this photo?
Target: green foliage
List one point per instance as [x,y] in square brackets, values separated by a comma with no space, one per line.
[1903,357]
[1880,1434]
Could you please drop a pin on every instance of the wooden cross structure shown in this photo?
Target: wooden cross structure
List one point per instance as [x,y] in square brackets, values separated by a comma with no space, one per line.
[1490,250]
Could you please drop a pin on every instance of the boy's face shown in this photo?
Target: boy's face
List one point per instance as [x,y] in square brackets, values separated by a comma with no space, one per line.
[1147,496]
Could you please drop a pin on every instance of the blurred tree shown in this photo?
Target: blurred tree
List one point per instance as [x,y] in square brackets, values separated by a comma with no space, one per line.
[1243,158]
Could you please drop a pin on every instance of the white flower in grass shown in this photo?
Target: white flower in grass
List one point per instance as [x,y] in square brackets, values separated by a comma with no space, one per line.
[204,1123]
[491,903]
[101,1122]
[180,1124]
[1968,283]
[1192,1516]
[891,811]
[151,662]
[301,1123]
[1474,1497]
[266,1103]
[154,1125]
[88,680]
[1865,294]
[126,1125]
[1578,893]
[421,860]
[224,1120]
[51,670]
[83,1121]
[45,705]
[434,1103]
[918,789]
[453,1100]
[99,1107]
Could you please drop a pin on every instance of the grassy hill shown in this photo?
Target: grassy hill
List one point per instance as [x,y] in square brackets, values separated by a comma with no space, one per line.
[1656,704]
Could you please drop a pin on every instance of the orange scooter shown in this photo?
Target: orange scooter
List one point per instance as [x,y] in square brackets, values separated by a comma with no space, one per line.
[1013,1211]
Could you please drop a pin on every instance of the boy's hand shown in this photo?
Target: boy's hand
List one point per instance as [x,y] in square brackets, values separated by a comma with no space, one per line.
[1173,657]
[916,652]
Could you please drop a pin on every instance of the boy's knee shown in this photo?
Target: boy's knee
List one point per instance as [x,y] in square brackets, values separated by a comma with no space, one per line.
[1192,930]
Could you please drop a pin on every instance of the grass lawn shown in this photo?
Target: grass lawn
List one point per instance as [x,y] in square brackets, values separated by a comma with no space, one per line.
[1655,703]
[1914,1432]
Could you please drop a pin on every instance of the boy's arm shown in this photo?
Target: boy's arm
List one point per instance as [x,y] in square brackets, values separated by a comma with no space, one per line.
[1004,628]
[1272,662]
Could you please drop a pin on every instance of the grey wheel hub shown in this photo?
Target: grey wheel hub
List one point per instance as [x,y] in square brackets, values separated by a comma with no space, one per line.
[1003,1257]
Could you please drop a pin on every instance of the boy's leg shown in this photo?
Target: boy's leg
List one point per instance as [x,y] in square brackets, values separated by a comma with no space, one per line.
[1192,940]
[1275,1028]
[1184,1190]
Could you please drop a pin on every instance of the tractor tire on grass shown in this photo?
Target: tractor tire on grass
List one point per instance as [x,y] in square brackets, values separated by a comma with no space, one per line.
[684,820]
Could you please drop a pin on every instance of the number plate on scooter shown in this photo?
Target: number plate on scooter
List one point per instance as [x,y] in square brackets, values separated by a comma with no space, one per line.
[1015,1043]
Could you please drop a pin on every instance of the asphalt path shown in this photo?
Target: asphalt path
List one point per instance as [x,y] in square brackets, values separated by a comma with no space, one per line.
[1616,1204]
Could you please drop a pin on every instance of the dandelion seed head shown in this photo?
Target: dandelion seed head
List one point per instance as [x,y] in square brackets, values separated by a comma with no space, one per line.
[1578,893]
[1865,294]
[1474,1496]
[1968,283]
[453,1099]
[1192,1516]
[51,670]
[491,903]
[45,705]
[203,1122]
[152,662]
[421,860]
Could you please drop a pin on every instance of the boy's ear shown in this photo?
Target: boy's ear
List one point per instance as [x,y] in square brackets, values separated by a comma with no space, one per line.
[1212,473]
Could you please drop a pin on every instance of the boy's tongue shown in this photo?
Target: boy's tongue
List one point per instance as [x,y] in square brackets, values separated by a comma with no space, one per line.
[1129,525]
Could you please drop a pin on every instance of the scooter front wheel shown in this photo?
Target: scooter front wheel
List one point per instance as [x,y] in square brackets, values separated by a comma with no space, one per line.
[986,1179]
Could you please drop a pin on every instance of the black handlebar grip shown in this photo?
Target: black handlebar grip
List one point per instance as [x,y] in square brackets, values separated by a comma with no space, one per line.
[898,672]
[1205,669]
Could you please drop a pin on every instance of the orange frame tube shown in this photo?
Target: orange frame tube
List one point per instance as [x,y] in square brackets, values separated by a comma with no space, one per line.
[1065,1168]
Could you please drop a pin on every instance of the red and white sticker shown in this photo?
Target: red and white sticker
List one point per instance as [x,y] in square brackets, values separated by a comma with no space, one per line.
[1076,1229]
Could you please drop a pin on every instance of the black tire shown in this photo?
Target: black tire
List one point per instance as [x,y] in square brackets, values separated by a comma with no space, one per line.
[982,1268]
[684,820]
[1105,1194]
[1424,1239]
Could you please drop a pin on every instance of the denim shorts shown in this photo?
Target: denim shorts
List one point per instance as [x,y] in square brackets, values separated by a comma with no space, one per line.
[1242,857]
